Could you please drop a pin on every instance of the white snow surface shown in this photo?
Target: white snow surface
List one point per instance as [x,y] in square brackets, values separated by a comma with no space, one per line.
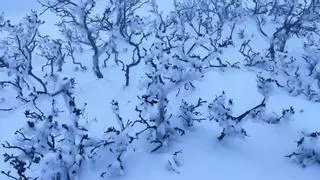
[260,156]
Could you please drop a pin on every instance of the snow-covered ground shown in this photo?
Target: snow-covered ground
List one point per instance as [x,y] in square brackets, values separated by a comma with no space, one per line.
[259,156]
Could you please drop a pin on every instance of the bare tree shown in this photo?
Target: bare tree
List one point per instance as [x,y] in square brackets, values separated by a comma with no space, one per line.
[83,24]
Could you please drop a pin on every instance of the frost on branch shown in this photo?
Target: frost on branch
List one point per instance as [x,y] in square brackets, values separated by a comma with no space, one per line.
[114,145]
[179,54]
[153,115]
[208,27]
[291,66]
[100,26]
[53,144]
[17,52]
[190,113]
[83,26]
[308,149]
[51,50]
[220,110]
[47,149]
[274,118]
[23,52]
[266,86]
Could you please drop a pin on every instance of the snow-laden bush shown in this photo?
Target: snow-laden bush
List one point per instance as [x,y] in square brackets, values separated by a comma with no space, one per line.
[114,145]
[56,146]
[179,54]
[176,50]
[17,53]
[291,67]
[52,51]
[48,147]
[207,11]
[190,113]
[83,26]
[266,86]
[32,62]
[111,30]
[157,122]
[308,150]
[220,110]
[274,118]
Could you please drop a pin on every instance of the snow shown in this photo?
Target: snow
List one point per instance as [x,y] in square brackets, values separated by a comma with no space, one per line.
[260,156]
[165,6]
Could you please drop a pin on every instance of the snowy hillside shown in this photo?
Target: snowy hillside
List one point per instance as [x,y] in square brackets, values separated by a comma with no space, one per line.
[160,89]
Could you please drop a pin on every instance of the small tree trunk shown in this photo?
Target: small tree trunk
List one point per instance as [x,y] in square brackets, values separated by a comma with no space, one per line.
[161,107]
[96,67]
[284,40]
[283,45]
[127,75]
